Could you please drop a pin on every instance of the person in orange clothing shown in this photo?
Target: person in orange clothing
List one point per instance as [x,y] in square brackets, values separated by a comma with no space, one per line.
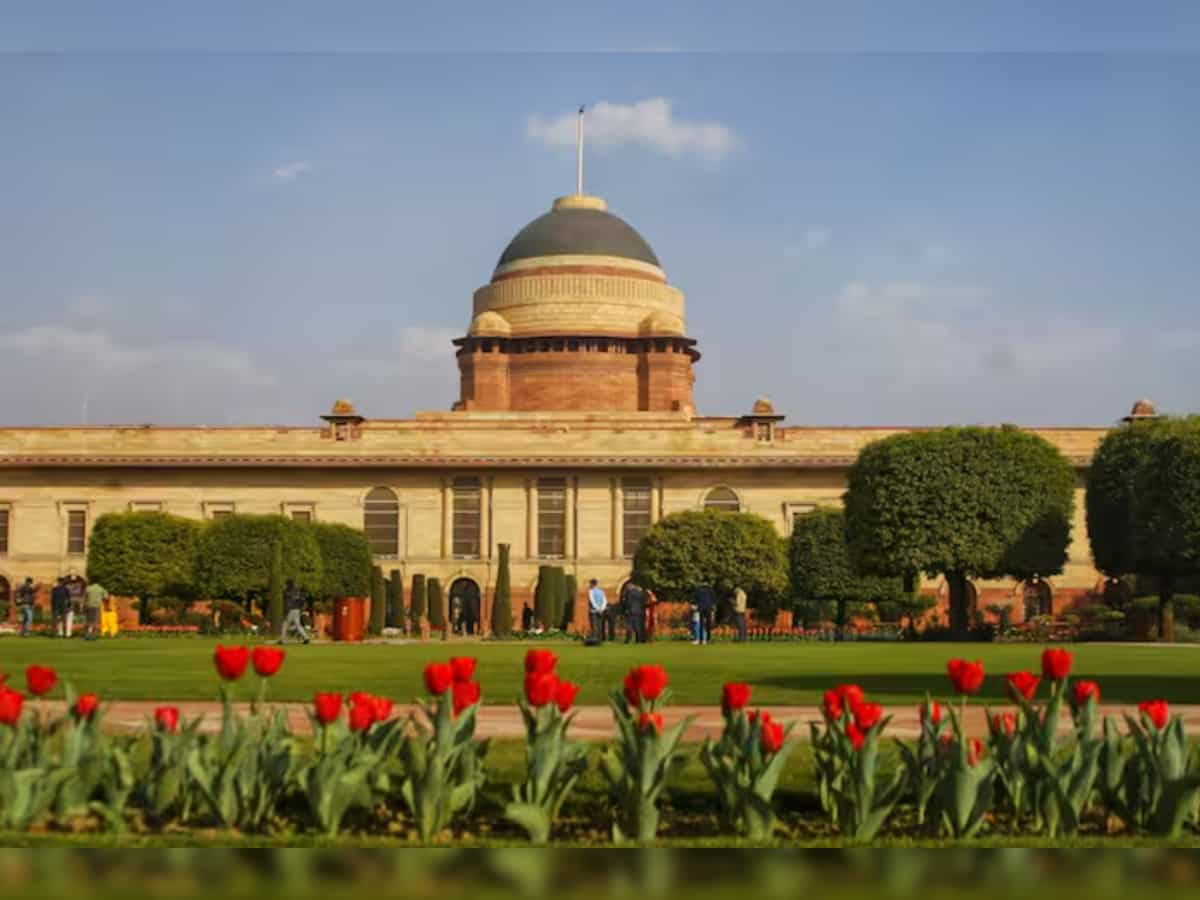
[651,602]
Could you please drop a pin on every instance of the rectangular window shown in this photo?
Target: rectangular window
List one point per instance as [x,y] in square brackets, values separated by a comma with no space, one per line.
[221,513]
[218,509]
[302,515]
[792,510]
[635,512]
[468,517]
[763,432]
[76,531]
[552,517]
[145,506]
[3,531]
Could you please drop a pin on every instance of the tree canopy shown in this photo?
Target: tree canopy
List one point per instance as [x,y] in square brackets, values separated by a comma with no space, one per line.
[721,549]
[1143,506]
[143,553]
[345,560]
[960,502]
[233,555]
[821,567]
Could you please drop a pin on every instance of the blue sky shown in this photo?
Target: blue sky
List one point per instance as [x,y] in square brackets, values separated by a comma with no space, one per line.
[877,217]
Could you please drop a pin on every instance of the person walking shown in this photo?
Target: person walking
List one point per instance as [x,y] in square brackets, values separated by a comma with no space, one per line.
[293,602]
[739,613]
[26,602]
[651,603]
[706,603]
[93,602]
[76,587]
[597,607]
[633,599]
[60,608]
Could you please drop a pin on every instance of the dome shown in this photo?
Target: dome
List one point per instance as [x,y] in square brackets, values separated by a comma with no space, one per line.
[763,407]
[578,225]
[490,324]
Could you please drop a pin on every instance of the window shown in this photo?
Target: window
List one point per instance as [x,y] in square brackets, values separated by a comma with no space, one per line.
[145,506]
[76,530]
[299,512]
[635,512]
[792,510]
[302,515]
[221,513]
[763,432]
[381,521]
[3,531]
[552,517]
[468,518]
[724,499]
[218,509]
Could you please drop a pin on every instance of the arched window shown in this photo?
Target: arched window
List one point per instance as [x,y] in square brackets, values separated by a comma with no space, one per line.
[381,521]
[724,499]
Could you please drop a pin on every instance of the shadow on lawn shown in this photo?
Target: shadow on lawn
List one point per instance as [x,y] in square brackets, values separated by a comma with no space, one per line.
[904,687]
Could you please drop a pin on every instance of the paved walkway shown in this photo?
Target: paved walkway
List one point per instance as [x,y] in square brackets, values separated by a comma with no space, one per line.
[595,722]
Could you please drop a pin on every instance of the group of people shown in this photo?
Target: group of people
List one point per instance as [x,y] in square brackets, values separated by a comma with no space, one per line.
[637,605]
[70,598]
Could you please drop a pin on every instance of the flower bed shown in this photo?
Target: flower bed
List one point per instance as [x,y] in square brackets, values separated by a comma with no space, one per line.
[374,772]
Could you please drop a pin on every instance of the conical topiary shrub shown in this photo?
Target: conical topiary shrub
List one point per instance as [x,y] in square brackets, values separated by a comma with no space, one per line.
[395,613]
[571,589]
[437,615]
[416,610]
[378,602]
[502,623]
[543,597]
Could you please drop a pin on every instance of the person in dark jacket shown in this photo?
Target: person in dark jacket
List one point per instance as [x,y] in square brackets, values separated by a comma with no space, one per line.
[633,601]
[26,602]
[60,605]
[706,604]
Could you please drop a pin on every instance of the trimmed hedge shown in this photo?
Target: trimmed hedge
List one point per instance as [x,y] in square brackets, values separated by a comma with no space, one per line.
[502,623]
[150,554]
[345,561]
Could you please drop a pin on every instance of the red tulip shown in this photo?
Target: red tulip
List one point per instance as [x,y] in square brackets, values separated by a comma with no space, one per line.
[10,705]
[866,715]
[855,735]
[463,667]
[85,705]
[438,678]
[967,677]
[644,683]
[327,707]
[1157,711]
[1082,690]
[1004,723]
[771,737]
[851,694]
[40,679]
[931,711]
[541,688]
[167,718]
[1056,664]
[231,662]
[1022,684]
[734,696]
[565,695]
[381,708]
[648,720]
[466,693]
[832,706]
[974,751]
[540,661]
[361,717]
[267,660]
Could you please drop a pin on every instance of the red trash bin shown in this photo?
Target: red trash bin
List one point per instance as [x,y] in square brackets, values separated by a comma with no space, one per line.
[348,619]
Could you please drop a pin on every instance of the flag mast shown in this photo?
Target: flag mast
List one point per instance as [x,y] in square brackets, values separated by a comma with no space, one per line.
[579,153]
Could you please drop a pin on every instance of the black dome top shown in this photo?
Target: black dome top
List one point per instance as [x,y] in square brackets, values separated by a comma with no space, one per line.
[571,230]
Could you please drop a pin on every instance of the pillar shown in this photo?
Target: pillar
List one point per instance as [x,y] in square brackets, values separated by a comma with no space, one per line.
[447,518]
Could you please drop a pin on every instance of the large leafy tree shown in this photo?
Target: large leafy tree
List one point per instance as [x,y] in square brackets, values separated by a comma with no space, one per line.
[1143,506]
[960,502]
[722,549]
[345,560]
[233,555]
[821,568]
[143,554]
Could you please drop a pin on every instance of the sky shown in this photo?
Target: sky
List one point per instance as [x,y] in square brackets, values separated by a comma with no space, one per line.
[880,214]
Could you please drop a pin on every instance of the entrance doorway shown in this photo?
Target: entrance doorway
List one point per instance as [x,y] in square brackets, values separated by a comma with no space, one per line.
[464,606]
[1039,600]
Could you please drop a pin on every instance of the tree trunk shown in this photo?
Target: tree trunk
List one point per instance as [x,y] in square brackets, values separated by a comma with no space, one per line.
[1166,609]
[839,620]
[960,615]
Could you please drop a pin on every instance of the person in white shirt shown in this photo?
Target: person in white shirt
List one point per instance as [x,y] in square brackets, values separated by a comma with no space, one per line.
[597,604]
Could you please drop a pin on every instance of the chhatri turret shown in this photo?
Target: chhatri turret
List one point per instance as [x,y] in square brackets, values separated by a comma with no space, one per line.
[578,315]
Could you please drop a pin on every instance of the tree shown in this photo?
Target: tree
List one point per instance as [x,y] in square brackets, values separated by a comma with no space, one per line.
[378,602]
[345,561]
[275,589]
[1144,518]
[417,610]
[395,616]
[233,555]
[144,554]
[722,549]
[963,503]
[437,614]
[821,568]
[502,623]
[570,591]
[558,596]
[543,597]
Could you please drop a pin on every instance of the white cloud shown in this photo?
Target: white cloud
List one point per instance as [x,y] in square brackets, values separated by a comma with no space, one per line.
[291,171]
[649,123]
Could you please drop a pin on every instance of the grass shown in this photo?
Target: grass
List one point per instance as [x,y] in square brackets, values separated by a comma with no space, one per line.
[180,668]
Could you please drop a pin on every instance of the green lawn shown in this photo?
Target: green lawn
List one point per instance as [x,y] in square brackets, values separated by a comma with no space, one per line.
[782,673]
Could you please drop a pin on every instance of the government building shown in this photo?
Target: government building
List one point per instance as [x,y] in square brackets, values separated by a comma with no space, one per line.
[575,430]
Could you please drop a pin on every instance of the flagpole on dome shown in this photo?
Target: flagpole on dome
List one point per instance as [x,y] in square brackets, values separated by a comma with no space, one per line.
[579,154]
